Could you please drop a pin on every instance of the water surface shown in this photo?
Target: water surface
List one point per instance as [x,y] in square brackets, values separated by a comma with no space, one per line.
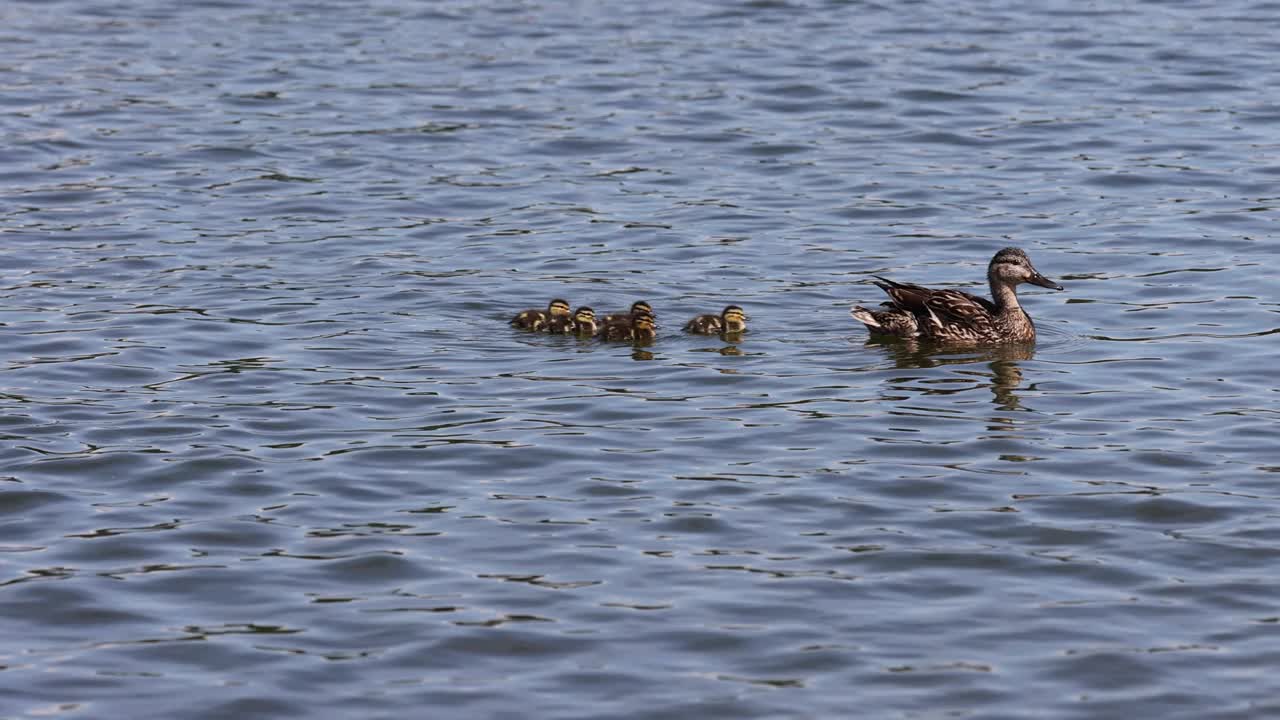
[271,450]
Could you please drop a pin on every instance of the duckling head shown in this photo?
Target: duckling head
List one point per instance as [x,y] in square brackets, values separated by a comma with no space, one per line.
[734,318]
[644,323]
[584,319]
[641,306]
[559,307]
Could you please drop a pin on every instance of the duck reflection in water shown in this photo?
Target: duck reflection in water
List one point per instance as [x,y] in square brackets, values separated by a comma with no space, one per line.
[1002,361]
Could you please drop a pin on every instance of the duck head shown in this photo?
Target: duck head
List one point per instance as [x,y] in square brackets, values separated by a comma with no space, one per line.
[1011,266]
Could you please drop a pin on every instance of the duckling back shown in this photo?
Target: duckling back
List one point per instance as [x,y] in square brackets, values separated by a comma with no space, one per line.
[561,324]
[616,327]
[705,325]
[641,326]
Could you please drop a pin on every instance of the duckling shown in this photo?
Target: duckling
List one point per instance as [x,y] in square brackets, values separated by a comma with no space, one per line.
[584,322]
[564,323]
[541,319]
[637,307]
[732,320]
[640,327]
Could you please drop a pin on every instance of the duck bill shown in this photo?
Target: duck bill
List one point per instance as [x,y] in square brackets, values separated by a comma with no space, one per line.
[1044,282]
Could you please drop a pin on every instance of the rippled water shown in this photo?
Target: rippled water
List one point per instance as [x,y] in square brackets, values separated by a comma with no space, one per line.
[271,450]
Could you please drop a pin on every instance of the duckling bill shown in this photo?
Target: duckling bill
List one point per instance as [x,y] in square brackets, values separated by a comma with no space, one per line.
[955,317]
[731,320]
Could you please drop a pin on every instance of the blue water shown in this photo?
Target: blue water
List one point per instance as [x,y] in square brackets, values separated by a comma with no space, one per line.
[270,449]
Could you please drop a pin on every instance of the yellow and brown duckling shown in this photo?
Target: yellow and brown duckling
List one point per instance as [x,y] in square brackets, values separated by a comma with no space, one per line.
[584,322]
[542,319]
[640,327]
[637,307]
[568,324]
[954,317]
[731,320]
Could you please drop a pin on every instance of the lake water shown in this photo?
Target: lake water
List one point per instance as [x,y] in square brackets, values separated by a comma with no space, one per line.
[271,450]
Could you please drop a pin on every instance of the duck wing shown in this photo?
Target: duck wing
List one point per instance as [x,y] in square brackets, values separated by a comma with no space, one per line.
[912,298]
[943,314]
[958,306]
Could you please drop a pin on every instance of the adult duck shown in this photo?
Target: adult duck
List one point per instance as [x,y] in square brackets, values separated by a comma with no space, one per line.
[955,317]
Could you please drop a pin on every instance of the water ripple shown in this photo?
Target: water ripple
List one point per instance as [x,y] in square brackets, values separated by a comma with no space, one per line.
[270,438]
